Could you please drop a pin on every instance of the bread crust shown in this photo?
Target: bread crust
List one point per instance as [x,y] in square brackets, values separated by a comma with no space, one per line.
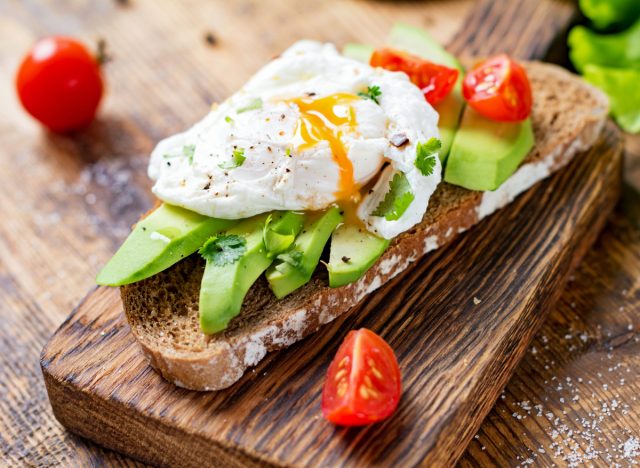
[217,362]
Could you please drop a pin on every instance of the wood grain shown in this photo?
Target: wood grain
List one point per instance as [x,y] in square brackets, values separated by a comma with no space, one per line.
[458,324]
[68,201]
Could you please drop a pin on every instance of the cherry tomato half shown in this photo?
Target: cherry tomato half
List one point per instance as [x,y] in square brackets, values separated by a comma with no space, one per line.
[363,381]
[499,89]
[60,84]
[435,81]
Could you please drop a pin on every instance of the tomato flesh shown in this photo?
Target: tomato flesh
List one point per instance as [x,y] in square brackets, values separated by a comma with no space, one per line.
[499,89]
[435,81]
[60,84]
[363,381]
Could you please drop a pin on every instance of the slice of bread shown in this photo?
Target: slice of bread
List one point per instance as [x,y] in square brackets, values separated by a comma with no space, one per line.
[568,116]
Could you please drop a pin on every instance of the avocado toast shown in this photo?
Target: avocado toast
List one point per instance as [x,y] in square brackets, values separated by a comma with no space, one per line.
[294,297]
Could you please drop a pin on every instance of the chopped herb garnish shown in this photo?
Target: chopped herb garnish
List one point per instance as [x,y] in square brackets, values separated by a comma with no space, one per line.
[397,199]
[373,93]
[426,154]
[287,152]
[253,105]
[188,151]
[228,119]
[292,257]
[237,159]
[223,250]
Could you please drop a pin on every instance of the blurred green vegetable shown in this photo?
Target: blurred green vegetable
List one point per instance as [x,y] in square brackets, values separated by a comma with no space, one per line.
[623,88]
[606,13]
[620,50]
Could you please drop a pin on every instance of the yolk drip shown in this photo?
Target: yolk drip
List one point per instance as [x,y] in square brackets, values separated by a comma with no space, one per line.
[320,122]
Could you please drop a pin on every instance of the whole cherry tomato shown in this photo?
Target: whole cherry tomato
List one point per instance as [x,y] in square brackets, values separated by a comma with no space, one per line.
[499,89]
[435,81]
[363,381]
[60,84]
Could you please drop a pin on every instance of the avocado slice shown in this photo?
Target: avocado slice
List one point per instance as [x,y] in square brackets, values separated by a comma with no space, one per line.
[418,42]
[280,231]
[485,152]
[359,52]
[353,251]
[235,260]
[294,268]
[163,238]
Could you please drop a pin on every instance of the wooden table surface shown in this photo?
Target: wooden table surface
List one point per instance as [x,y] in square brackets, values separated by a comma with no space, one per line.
[69,202]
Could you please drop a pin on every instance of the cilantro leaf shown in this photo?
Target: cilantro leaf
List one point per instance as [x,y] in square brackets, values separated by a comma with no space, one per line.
[228,119]
[397,199]
[237,159]
[223,250]
[188,151]
[291,257]
[253,105]
[373,93]
[426,154]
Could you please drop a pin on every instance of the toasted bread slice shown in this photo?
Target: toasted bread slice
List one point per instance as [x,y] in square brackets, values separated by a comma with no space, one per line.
[567,117]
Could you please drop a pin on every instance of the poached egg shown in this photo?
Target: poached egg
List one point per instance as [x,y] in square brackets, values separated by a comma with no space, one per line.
[302,135]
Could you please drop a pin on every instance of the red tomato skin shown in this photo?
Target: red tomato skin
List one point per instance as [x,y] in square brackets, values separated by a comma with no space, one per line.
[434,80]
[499,89]
[357,351]
[60,84]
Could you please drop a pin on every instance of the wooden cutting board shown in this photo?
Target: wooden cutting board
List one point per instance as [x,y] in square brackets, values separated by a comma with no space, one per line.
[459,321]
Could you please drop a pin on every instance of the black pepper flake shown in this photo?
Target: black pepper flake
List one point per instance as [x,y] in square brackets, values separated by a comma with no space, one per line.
[288,170]
[206,187]
[399,140]
[346,259]
[282,116]
[210,38]
[269,149]
[168,163]
[310,94]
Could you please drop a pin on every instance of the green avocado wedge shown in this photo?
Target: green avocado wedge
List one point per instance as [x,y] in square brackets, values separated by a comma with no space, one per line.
[163,238]
[353,251]
[485,153]
[294,268]
[418,42]
[236,259]
[360,52]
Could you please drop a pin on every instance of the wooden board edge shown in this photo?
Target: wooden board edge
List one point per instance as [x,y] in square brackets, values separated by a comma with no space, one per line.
[456,447]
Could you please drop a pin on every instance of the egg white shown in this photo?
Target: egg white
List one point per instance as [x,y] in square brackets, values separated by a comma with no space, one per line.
[275,175]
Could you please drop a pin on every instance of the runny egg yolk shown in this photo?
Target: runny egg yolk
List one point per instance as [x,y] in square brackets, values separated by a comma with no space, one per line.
[326,119]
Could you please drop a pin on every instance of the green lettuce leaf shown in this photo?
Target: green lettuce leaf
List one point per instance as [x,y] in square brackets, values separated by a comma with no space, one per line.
[623,88]
[620,50]
[606,13]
